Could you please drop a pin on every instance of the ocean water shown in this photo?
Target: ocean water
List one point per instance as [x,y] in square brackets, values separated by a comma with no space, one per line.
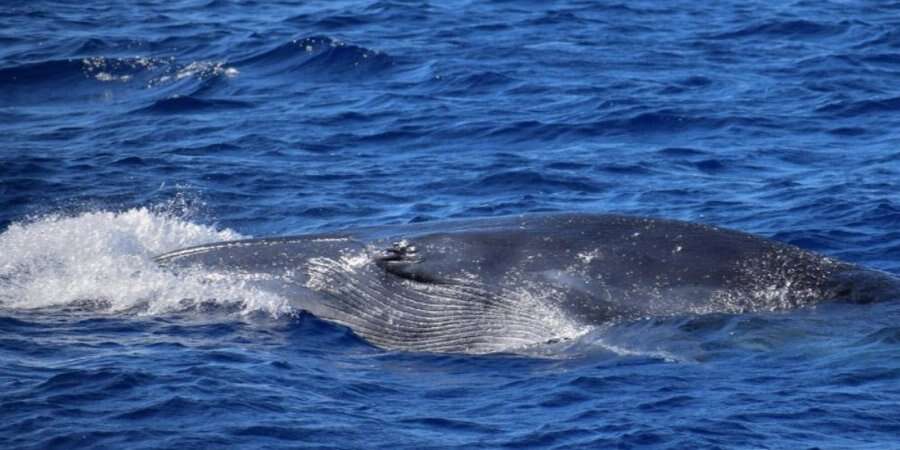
[128,129]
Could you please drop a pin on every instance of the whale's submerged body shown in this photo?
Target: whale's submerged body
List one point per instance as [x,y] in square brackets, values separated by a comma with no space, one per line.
[492,284]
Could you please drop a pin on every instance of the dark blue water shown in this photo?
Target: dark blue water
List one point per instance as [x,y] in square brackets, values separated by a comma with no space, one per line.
[132,128]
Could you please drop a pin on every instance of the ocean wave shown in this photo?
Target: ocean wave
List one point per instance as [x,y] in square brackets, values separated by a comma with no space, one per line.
[473,83]
[318,57]
[38,72]
[529,181]
[104,78]
[853,108]
[681,152]
[91,68]
[794,29]
[639,123]
[109,46]
[186,104]
[661,121]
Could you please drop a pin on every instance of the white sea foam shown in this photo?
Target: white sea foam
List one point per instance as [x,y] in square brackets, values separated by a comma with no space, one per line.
[159,70]
[105,259]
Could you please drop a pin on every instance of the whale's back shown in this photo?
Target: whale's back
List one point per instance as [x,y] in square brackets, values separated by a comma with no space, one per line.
[488,284]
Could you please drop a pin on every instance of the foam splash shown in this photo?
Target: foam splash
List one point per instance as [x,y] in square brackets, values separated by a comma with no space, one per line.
[120,69]
[198,69]
[105,260]
[154,71]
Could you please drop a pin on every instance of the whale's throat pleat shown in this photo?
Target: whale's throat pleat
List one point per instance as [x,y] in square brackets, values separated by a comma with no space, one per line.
[452,316]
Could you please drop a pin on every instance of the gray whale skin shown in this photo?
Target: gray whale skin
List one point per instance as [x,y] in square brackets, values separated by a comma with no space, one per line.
[495,284]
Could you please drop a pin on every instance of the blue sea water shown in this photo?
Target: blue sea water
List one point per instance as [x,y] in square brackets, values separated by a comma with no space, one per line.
[128,129]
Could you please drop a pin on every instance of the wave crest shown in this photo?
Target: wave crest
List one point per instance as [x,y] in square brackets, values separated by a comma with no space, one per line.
[319,56]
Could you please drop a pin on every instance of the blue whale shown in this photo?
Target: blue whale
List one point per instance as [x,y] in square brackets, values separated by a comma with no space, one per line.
[491,284]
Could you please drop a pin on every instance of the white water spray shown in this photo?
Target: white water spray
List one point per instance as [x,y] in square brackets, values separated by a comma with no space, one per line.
[105,259]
